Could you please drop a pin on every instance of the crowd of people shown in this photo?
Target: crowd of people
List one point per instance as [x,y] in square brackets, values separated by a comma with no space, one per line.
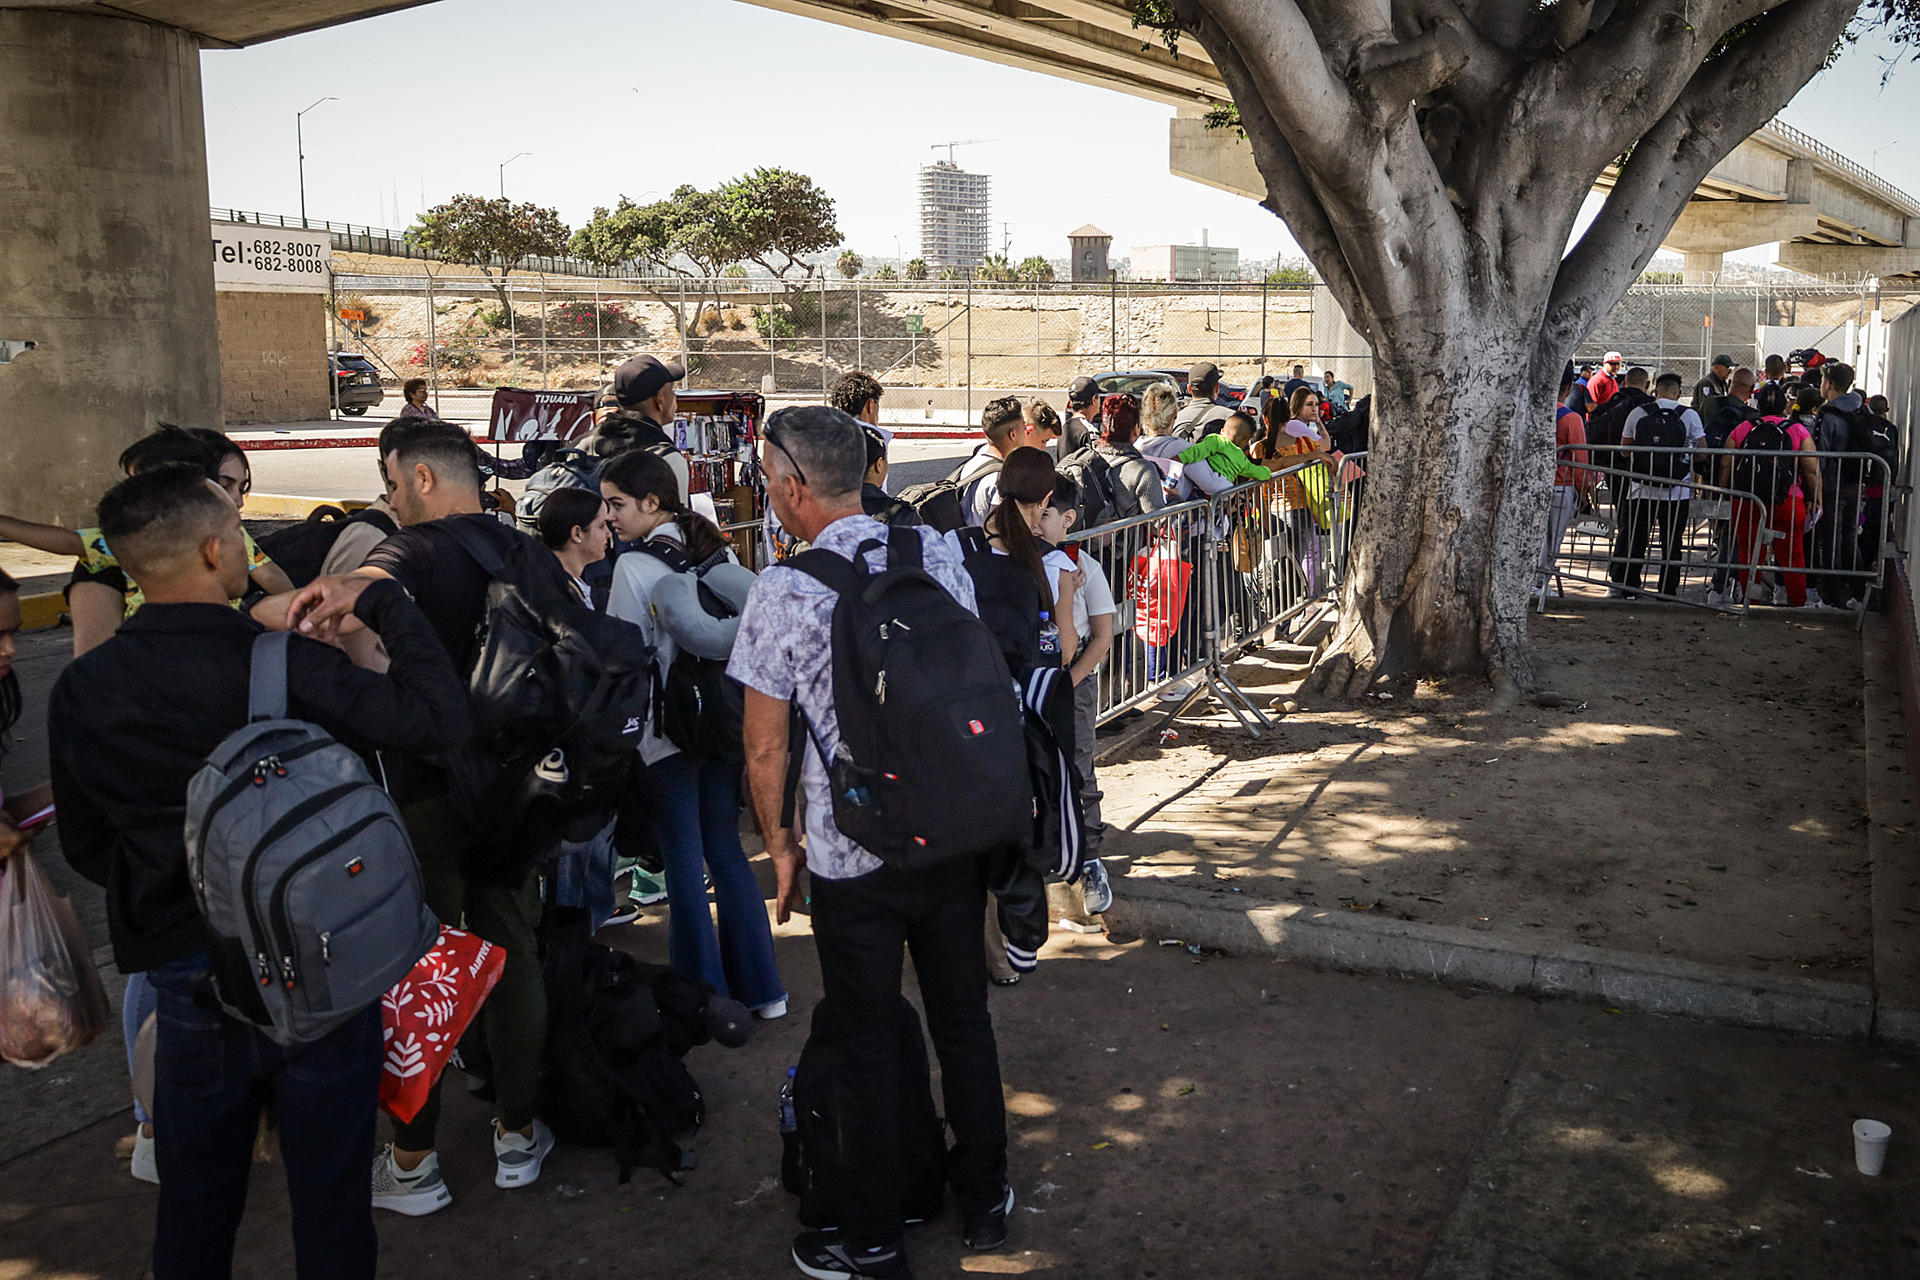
[1764,454]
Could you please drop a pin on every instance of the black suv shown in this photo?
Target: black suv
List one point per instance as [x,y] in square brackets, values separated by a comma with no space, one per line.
[1135,381]
[354,384]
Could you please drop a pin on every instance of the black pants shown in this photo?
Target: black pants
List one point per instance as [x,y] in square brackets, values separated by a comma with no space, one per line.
[1631,539]
[212,1075]
[861,928]
[1836,545]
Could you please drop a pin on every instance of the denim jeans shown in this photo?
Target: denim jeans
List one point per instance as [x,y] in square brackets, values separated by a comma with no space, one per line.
[699,823]
[212,1074]
[136,1006]
[861,928]
[583,876]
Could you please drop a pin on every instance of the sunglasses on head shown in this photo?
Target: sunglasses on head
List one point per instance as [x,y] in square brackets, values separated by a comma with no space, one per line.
[773,438]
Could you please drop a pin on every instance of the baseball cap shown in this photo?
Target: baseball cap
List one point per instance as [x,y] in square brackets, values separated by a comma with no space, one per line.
[1612,357]
[1201,374]
[1081,391]
[641,378]
[1725,360]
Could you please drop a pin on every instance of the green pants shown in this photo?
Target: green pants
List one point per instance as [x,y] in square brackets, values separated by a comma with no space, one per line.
[516,1012]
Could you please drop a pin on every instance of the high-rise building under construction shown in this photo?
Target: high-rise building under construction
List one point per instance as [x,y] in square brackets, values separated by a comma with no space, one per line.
[954,230]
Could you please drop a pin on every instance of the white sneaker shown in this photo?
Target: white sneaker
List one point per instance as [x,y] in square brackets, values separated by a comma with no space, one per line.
[771,1009]
[146,1165]
[1096,891]
[517,1160]
[414,1194]
[1081,926]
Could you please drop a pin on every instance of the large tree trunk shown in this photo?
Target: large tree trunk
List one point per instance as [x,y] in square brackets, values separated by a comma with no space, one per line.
[1457,485]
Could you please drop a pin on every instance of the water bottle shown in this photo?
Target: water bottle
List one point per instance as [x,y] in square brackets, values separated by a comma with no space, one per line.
[1049,636]
[789,1137]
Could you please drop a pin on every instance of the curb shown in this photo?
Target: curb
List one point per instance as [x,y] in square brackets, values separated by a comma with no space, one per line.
[1460,957]
[291,506]
[42,610]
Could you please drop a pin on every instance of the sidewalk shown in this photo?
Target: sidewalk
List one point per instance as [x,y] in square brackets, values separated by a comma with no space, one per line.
[1178,1116]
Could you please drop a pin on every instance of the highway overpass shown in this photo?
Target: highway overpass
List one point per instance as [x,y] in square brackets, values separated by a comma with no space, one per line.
[1830,215]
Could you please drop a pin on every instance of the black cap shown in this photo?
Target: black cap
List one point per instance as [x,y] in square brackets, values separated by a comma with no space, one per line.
[1725,360]
[640,379]
[1081,391]
[1203,374]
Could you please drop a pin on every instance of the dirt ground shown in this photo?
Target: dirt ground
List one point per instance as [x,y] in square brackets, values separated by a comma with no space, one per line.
[1698,794]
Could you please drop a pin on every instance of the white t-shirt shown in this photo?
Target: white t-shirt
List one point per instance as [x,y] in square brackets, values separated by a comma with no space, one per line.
[1093,598]
[1662,492]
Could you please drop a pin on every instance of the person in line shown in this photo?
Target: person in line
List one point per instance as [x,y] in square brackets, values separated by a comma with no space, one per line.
[433,482]
[1043,426]
[1137,484]
[1836,536]
[1775,368]
[1652,502]
[1218,462]
[1774,533]
[857,393]
[1603,427]
[866,913]
[100,595]
[15,808]
[1094,614]
[1205,405]
[1293,385]
[1083,416]
[1572,482]
[1004,424]
[1300,438]
[1334,394]
[1709,391]
[643,403]
[699,816]
[1605,382]
[130,723]
[414,392]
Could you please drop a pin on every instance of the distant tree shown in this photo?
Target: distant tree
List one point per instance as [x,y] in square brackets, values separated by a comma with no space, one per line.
[735,272]
[916,269]
[1035,268]
[949,273]
[1662,277]
[783,219]
[994,269]
[886,272]
[1294,275]
[690,235]
[850,264]
[492,235]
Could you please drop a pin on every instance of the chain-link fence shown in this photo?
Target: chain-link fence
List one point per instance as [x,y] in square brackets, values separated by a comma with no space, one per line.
[951,337]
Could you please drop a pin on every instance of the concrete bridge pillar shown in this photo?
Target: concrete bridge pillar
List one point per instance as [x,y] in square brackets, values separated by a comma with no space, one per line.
[1701,268]
[105,258]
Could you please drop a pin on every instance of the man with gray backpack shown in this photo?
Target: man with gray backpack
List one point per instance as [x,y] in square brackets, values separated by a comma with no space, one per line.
[271,922]
[1658,492]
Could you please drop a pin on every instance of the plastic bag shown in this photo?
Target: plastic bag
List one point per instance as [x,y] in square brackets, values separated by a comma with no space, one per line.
[51,1000]
[1160,579]
[426,1013]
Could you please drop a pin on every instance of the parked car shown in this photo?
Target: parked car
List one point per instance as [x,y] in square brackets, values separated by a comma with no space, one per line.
[354,383]
[1134,381]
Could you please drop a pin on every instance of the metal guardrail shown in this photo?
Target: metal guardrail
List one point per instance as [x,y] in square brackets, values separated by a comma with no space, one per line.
[1852,168]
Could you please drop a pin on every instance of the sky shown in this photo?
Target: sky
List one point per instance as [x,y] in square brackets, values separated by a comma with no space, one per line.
[430,101]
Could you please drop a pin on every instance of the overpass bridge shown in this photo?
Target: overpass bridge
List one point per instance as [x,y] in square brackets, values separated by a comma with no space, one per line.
[1830,215]
[103,195]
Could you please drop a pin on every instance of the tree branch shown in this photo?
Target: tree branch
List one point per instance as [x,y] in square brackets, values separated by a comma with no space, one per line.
[1396,73]
[1726,100]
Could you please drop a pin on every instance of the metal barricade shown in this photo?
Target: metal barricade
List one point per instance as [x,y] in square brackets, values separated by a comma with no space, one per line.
[1732,528]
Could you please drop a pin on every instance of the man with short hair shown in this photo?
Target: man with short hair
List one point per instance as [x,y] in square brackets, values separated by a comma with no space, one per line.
[433,484]
[1571,482]
[1652,501]
[1604,425]
[638,410]
[1708,392]
[129,725]
[1776,370]
[1836,533]
[857,393]
[1734,408]
[1083,413]
[1297,381]
[865,912]
[1004,423]
[1205,405]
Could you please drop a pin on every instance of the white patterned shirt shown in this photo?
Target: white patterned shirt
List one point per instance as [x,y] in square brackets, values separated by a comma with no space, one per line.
[784,650]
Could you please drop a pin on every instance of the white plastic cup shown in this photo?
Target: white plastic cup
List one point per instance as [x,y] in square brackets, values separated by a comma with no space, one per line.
[1870,1146]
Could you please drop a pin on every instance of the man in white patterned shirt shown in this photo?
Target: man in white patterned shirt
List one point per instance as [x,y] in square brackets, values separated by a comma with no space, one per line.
[865,912]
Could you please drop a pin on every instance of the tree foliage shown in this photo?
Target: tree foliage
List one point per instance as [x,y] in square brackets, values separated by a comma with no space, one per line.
[916,269]
[783,219]
[886,272]
[491,234]
[850,264]
[1293,275]
[1035,267]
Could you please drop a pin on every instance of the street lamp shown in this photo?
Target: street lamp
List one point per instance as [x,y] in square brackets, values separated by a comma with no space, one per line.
[1874,155]
[503,171]
[300,145]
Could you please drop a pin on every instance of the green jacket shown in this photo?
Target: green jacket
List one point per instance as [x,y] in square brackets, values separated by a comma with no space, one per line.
[1225,457]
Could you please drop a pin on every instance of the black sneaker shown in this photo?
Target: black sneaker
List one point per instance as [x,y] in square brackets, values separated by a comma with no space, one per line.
[986,1230]
[825,1255]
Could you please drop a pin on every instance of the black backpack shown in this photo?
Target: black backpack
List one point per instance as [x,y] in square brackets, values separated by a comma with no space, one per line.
[569,468]
[1724,423]
[1009,600]
[833,1081]
[617,1029]
[1090,469]
[559,696]
[697,706]
[301,549]
[941,504]
[1867,432]
[930,763]
[1769,479]
[1663,428]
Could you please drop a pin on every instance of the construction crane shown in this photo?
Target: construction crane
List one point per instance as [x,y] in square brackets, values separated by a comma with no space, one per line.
[963,142]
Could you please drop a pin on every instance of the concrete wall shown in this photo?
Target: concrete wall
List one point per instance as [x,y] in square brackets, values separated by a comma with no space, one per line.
[105,259]
[273,356]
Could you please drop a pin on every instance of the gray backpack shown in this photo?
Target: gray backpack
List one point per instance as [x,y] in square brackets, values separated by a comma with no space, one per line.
[302,868]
